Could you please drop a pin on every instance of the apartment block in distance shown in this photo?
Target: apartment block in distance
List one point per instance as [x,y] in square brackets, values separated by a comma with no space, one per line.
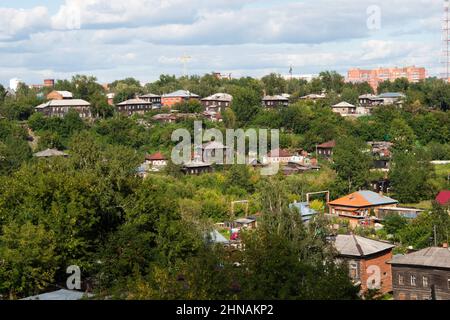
[376,76]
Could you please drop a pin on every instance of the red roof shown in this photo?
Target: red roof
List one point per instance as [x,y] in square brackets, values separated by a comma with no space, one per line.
[443,198]
[156,157]
[326,145]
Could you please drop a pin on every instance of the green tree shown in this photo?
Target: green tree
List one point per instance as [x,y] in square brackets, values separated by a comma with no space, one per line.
[29,260]
[409,177]
[351,163]
[402,135]
[246,104]
[283,259]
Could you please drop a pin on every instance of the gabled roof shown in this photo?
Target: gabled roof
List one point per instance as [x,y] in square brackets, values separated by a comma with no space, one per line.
[197,164]
[363,198]
[50,153]
[443,198]
[181,94]
[219,97]
[150,95]
[133,102]
[279,153]
[65,94]
[344,105]
[328,144]
[275,98]
[214,145]
[429,257]
[64,103]
[314,96]
[158,156]
[356,246]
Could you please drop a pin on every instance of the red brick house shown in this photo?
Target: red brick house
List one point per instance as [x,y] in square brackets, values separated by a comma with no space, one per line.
[368,261]
[171,99]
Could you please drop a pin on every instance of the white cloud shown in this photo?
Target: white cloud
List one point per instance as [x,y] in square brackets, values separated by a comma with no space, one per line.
[143,38]
[16,23]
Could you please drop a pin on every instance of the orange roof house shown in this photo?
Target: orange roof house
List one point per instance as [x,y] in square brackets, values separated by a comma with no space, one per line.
[358,207]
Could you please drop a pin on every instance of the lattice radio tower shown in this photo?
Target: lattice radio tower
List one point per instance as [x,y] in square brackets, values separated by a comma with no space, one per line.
[446,42]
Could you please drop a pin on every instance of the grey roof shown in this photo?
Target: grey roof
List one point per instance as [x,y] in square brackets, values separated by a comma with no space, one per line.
[62,294]
[182,94]
[314,96]
[343,105]
[50,153]
[369,96]
[64,103]
[244,221]
[375,198]
[66,94]
[219,97]
[214,145]
[352,245]
[133,102]
[277,97]
[150,95]
[197,164]
[429,257]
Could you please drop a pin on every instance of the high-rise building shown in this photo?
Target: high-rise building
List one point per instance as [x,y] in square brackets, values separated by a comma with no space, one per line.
[376,76]
[14,83]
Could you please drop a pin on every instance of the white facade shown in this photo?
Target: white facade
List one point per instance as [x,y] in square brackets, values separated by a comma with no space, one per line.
[14,83]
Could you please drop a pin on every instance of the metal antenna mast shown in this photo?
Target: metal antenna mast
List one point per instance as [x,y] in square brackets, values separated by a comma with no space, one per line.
[446,42]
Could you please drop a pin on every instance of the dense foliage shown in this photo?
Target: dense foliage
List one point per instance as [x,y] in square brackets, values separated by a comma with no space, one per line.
[142,239]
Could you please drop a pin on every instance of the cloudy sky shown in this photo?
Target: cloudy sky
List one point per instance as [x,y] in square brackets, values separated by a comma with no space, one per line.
[114,39]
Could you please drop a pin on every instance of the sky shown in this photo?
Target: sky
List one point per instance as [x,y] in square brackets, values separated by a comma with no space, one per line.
[115,39]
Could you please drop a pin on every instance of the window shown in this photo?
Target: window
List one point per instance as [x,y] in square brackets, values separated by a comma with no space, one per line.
[425,282]
[413,281]
[353,270]
[401,280]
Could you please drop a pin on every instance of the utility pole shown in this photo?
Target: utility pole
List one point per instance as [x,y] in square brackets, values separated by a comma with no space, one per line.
[185,59]
[435,237]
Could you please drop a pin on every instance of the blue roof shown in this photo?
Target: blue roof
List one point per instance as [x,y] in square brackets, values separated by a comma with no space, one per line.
[391,95]
[303,207]
[376,198]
